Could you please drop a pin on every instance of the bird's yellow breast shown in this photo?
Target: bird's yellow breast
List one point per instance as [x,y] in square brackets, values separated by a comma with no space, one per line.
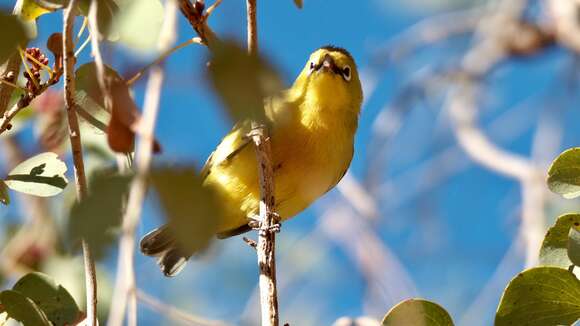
[310,153]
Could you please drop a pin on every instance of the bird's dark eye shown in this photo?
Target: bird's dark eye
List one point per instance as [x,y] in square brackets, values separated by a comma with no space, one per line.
[346,73]
[312,65]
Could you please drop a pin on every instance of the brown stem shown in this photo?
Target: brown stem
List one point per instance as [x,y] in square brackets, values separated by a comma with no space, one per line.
[77,152]
[252,26]
[266,235]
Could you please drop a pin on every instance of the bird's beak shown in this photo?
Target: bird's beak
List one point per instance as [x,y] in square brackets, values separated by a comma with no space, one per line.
[328,63]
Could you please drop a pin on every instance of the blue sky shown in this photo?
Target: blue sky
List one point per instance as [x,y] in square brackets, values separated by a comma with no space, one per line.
[449,238]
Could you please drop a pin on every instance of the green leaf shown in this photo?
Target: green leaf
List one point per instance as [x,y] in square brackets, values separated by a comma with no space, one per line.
[298,3]
[417,312]
[564,174]
[574,246]
[41,175]
[242,81]
[97,218]
[107,10]
[32,9]
[540,296]
[22,309]
[137,19]
[54,300]
[13,34]
[190,209]
[554,250]
[88,85]
[4,195]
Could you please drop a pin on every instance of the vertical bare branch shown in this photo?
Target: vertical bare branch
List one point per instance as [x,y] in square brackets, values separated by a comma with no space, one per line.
[77,152]
[125,287]
[266,235]
[252,26]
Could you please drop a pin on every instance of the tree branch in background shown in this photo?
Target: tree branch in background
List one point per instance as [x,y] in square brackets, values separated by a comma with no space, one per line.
[77,152]
[173,313]
[125,288]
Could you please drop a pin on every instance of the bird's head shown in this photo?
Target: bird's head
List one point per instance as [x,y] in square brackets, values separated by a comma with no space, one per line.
[330,77]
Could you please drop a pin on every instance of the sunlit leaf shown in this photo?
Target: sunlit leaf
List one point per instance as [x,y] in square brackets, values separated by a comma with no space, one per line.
[22,309]
[190,209]
[124,118]
[54,300]
[12,34]
[242,81]
[32,9]
[106,12]
[564,174]
[41,175]
[417,312]
[574,245]
[139,23]
[554,250]
[540,296]
[4,195]
[98,217]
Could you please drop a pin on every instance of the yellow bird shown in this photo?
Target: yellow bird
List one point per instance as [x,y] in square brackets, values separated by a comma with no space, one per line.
[312,128]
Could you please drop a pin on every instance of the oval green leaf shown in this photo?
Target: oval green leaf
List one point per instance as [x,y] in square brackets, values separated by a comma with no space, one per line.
[540,296]
[417,312]
[564,174]
[4,195]
[554,250]
[41,175]
[10,41]
[54,300]
[22,309]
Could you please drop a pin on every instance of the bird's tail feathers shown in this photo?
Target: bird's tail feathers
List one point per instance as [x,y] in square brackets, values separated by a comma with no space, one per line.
[161,243]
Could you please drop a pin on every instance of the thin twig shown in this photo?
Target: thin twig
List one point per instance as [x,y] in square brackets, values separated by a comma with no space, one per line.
[77,152]
[124,293]
[173,313]
[266,235]
[162,57]
[266,249]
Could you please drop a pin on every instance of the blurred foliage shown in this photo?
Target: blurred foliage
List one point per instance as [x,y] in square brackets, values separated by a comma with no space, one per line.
[190,209]
[417,312]
[10,41]
[4,195]
[97,218]
[242,81]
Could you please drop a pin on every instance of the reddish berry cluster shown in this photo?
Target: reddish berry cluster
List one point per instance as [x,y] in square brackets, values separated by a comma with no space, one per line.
[39,57]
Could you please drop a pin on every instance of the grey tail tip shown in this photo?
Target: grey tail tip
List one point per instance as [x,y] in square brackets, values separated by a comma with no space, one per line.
[161,243]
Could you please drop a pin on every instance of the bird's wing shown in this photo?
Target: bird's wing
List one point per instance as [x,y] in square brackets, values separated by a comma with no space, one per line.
[235,141]
[232,144]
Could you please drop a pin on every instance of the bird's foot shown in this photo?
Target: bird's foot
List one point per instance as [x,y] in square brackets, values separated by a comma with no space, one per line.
[255,222]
